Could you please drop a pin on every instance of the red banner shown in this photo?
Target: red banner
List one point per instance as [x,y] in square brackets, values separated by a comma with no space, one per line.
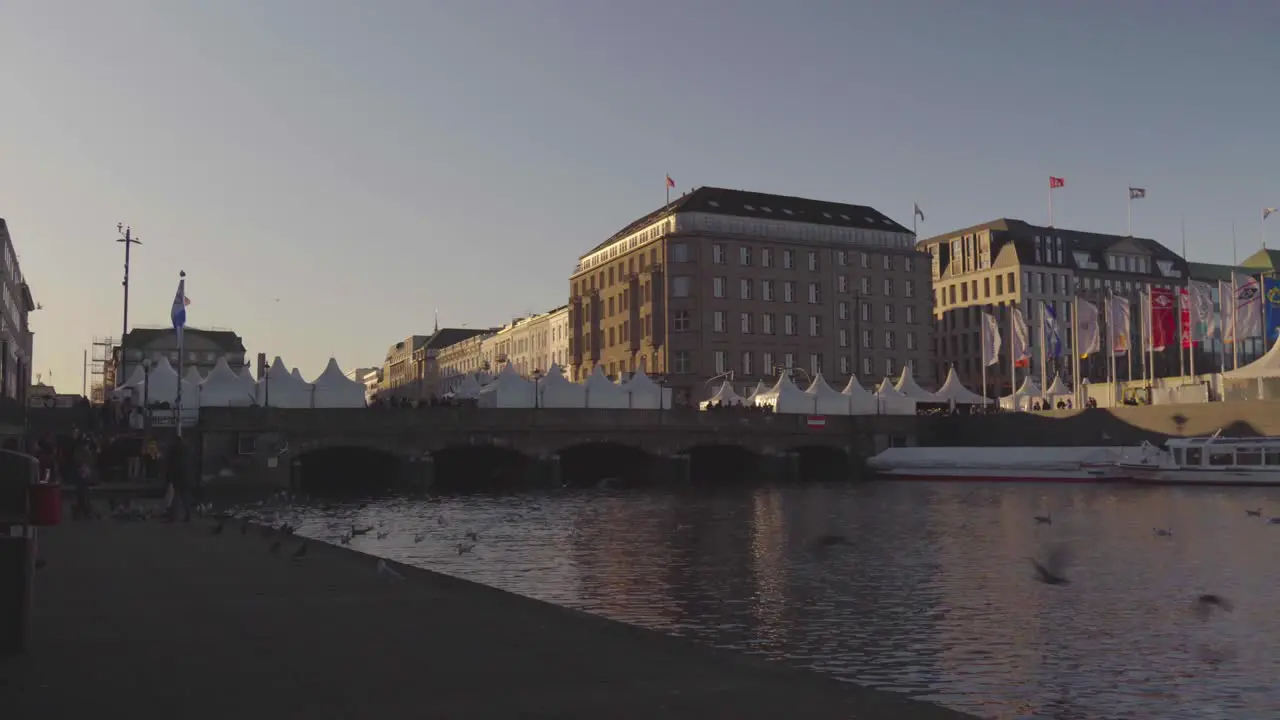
[1162,320]
[1184,314]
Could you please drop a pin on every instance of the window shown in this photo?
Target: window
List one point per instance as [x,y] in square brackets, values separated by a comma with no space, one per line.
[842,310]
[867,368]
[999,285]
[766,363]
[815,293]
[866,261]
[680,362]
[680,286]
[909,288]
[679,253]
[911,315]
[744,288]
[789,324]
[766,257]
[766,287]
[866,340]
[815,364]
[813,261]
[844,338]
[865,286]
[888,367]
[788,291]
[717,254]
[766,323]
[815,326]
[680,321]
[845,365]
[746,362]
[747,325]
[888,262]
[788,360]
[888,287]
[788,259]
[865,312]
[842,283]
[721,361]
[911,340]
[888,313]
[909,264]
[842,257]
[888,340]
[744,255]
[717,287]
[718,323]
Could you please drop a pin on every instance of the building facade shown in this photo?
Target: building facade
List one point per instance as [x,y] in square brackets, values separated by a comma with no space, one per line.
[726,283]
[531,345]
[1011,263]
[202,350]
[398,369]
[16,339]
[460,359]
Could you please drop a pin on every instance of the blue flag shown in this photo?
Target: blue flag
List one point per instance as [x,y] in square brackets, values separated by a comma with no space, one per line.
[1052,335]
[1271,307]
[180,302]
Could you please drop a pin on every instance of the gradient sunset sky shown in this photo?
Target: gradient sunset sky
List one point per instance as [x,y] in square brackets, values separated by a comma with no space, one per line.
[330,172]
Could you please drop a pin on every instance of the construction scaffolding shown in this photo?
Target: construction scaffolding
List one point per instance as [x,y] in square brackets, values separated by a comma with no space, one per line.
[101,368]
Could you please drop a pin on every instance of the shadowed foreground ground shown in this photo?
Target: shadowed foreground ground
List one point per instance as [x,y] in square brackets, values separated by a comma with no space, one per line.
[150,620]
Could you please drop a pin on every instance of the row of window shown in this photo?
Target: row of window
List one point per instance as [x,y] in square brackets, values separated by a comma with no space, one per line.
[747,255]
[768,288]
[682,321]
[771,365]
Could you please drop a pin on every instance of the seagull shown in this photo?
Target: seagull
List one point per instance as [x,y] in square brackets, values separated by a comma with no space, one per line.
[387,571]
[1046,519]
[1274,521]
[1163,532]
[1205,604]
[383,535]
[346,538]
[301,552]
[419,537]
[473,537]
[360,531]
[1253,513]
[462,548]
[1051,572]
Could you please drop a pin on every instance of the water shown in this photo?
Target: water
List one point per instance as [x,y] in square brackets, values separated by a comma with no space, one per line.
[932,596]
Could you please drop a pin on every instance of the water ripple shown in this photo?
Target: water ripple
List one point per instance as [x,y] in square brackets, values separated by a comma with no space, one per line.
[931,596]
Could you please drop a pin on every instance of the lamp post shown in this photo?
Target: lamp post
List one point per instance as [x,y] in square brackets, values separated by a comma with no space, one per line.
[537,396]
[146,392]
[126,237]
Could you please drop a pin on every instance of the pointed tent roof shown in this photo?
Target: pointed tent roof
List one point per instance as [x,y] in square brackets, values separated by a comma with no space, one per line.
[953,391]
[334,389]
[785,397]
[468,389]
[1267,366]
[861,401]
[641,382]
[886,389]
[603,393]
[508,390]
[282,389]
[907,386]
[1030,388]
[221,374]
[1058,387]
[826,399]
[137,377]
[724,396]
[193,376]
[854,388]
[297,374]
[820,388]
[760,388]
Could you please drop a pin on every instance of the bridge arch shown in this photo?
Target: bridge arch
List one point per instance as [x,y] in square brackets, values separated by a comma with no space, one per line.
[595,463]
[822,462]
[722,462]
[335,468]
[483,468]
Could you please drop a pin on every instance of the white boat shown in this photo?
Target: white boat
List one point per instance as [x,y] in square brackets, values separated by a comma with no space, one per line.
[1212,460]
[1003,464]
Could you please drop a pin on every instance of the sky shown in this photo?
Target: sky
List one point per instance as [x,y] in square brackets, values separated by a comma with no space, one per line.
[330,173]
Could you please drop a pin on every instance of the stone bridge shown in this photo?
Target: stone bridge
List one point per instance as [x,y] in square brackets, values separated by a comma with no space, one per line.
[285,447]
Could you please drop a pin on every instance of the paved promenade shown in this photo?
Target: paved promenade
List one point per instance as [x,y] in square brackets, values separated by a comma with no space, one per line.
[145,620]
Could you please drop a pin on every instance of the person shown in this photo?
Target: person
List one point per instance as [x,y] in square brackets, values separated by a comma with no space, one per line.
[178,476]
[81,473]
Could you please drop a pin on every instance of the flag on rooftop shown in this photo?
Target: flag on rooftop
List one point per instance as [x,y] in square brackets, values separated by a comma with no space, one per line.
[180,302]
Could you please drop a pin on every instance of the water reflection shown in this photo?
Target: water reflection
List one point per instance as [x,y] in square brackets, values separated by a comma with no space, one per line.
[931,595]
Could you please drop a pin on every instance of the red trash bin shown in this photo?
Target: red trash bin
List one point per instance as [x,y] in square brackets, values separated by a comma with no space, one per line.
[44,504]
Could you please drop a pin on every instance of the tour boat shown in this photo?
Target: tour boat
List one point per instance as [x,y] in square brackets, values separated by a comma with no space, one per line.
[1211,460]
[1003,464]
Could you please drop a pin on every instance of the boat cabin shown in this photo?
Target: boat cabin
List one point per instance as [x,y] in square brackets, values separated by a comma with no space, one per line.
[1219,452]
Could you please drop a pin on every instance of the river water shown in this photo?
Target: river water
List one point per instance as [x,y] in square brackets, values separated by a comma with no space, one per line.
[930,595]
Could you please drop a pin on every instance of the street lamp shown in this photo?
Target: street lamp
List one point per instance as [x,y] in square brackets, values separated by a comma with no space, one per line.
[126,237]
[537,377]
[147,364]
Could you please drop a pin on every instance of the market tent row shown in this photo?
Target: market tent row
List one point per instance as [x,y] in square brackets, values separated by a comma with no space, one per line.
[821,399]
[554,390]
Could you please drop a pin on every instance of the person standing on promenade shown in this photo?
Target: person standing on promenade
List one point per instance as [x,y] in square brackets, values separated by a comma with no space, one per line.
[178,476]
[81,474]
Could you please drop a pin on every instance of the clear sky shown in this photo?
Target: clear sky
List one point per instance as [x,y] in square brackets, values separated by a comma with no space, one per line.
[329,172]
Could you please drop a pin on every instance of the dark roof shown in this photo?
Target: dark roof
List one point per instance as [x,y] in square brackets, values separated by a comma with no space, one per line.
[1021,234]
[444,337]
[226,340]
[765,206]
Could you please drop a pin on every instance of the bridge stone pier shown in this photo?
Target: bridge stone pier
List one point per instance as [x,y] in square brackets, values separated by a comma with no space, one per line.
[472,448]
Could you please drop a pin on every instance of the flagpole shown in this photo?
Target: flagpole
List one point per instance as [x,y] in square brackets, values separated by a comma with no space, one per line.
[1043,351]
[667,184]
[181,353]
[1050,202]
[1235,328]
[1130,212]
[1108,305]
[1075,347]
[1182,368]
[1013,368]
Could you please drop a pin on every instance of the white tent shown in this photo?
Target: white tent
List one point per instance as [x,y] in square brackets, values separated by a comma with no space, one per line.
[248,386]
[645,393]
[222,387]
[893,402]
[468,389]
[1058,388]
[555,390]
[952,391]
[333,389]
[161,385]
[907,386]
[297,375]
[132,387]
[826,399]
[193,377]
[281,389]
[1027,394]
[1259,380]
[603,393]
[760,388]
[723,397]
[861,401]
[785,397]
[508,390]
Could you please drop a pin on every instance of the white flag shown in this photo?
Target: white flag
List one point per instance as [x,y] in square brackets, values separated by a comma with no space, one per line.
[990,340]
[1088,339]
[1021,346]
[1200,308]
[1246,322]
[1119,324]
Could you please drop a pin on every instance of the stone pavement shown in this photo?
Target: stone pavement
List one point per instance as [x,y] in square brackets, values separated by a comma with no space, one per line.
[146,620]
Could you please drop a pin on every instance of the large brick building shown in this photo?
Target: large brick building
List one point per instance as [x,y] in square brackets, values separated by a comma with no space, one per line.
[722,282]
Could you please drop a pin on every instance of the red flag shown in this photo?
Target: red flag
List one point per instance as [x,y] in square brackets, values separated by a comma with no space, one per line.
[1056,182]
[670,183]
[1184,314]
[1162,327]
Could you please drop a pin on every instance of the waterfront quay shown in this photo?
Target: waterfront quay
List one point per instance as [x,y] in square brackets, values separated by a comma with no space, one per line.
[145,620]
[458,448]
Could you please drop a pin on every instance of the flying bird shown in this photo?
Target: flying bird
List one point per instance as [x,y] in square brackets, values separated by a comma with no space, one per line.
[1052,571]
